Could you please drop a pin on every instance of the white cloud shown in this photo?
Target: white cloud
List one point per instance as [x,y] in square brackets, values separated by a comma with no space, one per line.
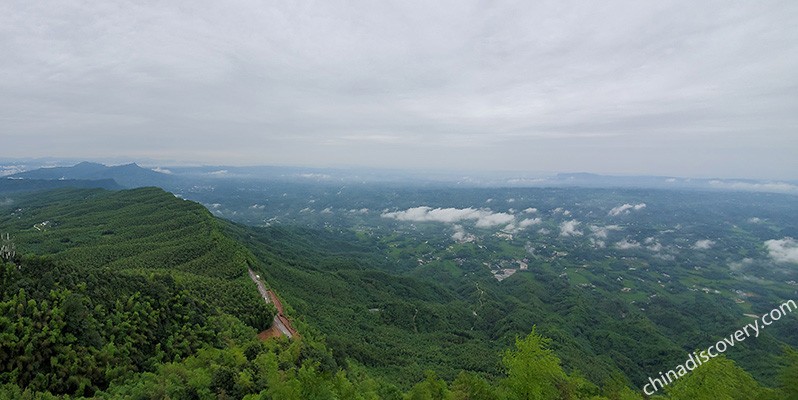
[257,206]
[11,169]
[653,245]
[602,232]
[755,220]
[162,170]
[570,228]
[314,176]
[703,244]
[527,222]
[627,244]
[777,187]
[461,235]
[531,210]
[484,218]
[327,210]
[488,219]
[523,224]
[626,208]
[598,243]
[783,250]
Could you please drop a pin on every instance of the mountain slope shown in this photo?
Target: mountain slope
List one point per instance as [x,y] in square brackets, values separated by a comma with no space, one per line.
[120,281]
[29,185]
[136,232]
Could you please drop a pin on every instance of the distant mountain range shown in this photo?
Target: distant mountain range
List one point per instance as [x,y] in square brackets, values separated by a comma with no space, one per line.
[126,176]
[172,178]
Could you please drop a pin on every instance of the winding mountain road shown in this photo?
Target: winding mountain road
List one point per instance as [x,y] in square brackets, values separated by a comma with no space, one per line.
[281,322]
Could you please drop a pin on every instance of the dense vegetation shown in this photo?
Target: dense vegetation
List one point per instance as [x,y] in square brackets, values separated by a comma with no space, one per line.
[400,323]
[25,185]
[609,309]
[115,283]
[139,294]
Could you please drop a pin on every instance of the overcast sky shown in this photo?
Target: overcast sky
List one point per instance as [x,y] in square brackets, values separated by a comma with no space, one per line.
[689,88]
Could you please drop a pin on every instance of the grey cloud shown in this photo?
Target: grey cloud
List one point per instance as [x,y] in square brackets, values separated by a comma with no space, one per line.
[611,87]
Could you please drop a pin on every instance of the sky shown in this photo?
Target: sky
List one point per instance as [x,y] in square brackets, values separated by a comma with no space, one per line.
[678,88]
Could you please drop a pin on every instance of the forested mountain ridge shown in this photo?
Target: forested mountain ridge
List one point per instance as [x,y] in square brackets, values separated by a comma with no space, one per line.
[139,294]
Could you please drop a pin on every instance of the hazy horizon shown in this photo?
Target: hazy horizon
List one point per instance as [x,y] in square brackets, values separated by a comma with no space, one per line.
[684,89]
[488,178]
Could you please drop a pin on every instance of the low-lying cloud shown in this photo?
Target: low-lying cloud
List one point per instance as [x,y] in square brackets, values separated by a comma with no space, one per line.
[484,218]
[703,244]
[461,235]
[602,232]
[653,244]
[626,209]
[775,187]
[627,244]
[570,228]
[527,222]
[162,170]
[783,250]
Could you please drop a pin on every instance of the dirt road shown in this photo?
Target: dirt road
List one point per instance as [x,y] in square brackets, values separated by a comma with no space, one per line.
[281,323]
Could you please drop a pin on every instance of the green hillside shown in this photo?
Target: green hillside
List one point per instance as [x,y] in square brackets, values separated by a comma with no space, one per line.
[140,294]
[139,277]
[450,315]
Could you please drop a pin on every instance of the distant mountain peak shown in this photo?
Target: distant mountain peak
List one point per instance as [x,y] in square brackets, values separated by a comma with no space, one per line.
[87,163]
